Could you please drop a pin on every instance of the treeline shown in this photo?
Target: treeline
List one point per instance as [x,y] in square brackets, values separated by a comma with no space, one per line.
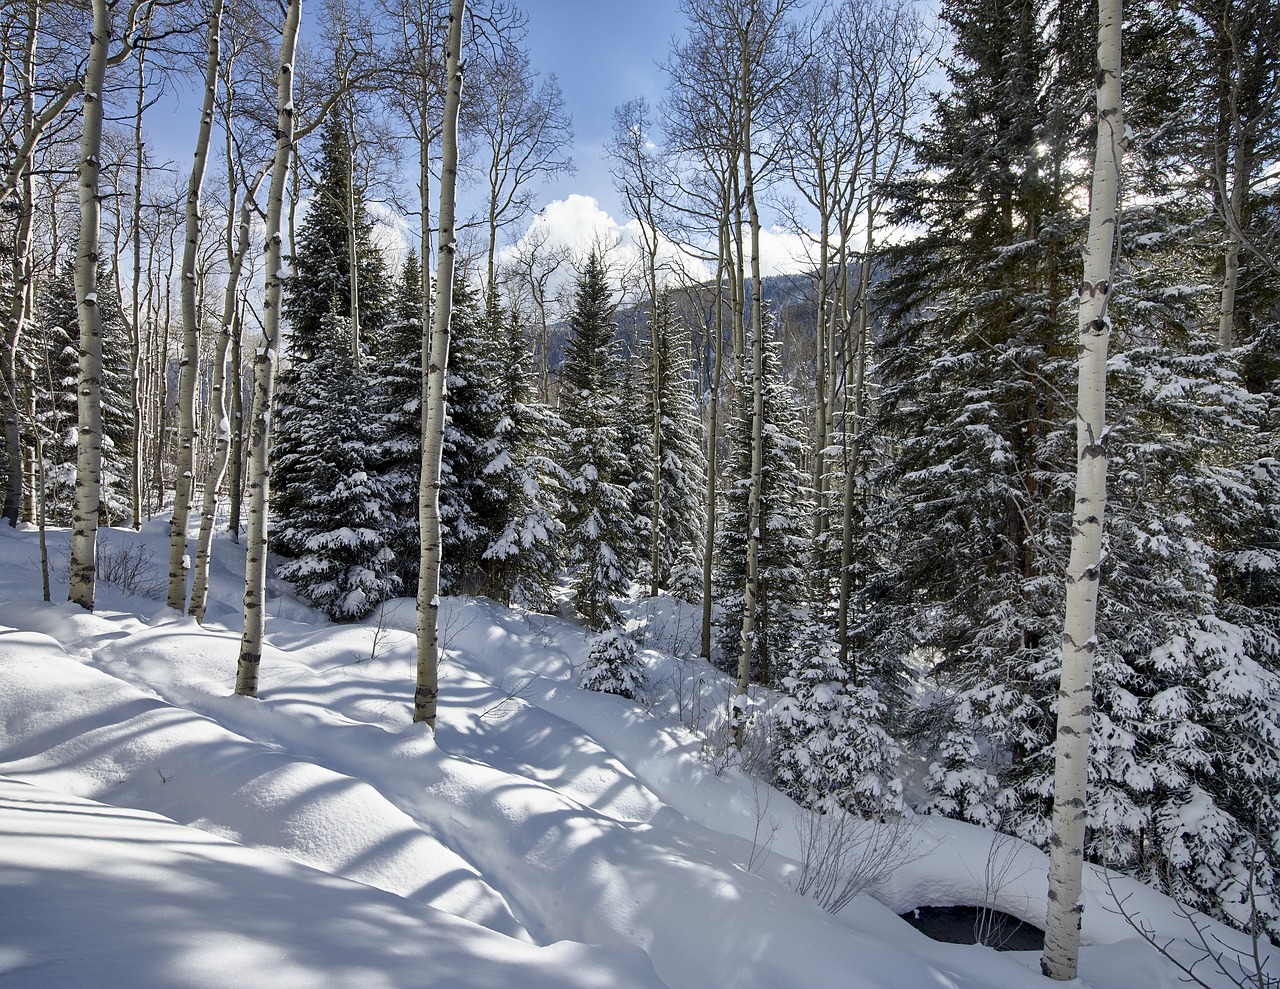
[868,494]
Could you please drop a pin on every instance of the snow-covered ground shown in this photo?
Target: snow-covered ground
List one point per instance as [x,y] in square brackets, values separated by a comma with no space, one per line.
[157,832]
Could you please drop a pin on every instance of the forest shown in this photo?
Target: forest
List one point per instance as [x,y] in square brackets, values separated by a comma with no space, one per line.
[339,333]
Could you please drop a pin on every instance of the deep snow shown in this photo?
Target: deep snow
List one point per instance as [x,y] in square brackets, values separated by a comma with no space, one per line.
[156,831]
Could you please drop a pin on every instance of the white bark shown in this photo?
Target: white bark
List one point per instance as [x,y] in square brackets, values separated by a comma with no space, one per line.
[88,495]
[179,561]
[1075,695]
[751,588]
[255,568]
[1231,263]
[219,407]
[23,286]
[434,372]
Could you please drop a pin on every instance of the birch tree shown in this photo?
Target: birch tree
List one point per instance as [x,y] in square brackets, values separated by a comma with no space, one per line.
[219,405]
[255,576]
[1075,695]
[435,362]
[179,560]
[24,132]
[22,272]
[84,525]
[525,133]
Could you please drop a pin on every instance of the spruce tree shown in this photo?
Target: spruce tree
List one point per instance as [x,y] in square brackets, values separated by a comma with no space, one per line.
[523,561]
[321,279]
[332,529]
[976,355]
[781,610]
[55,338]
[396,396]
[469,503]
[682,469]
[601,531]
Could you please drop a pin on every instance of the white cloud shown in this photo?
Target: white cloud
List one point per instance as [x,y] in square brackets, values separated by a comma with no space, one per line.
[579,223]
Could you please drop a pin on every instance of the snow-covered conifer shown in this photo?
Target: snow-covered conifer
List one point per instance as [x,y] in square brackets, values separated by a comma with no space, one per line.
[523,561]
[601,532]
[332,513]
[612,666]
[784,498]
[832,749]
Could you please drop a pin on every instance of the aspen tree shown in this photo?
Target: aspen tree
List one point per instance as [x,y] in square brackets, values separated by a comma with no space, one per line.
[1075,695]
[37,123]
[255,576]
[23,285]
[434,371]
[84,525]
[179,560]
[219,404]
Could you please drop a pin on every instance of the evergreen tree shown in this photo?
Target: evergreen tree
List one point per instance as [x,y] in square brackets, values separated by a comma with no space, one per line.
[1183,770]
[832,749]
[601,530]
[635,474]
[55,338]
[396,395]
[524,560]
[781,611]
[331,530]
[612,666]
[980,345]
[682,471]
[469,502]
[321,279]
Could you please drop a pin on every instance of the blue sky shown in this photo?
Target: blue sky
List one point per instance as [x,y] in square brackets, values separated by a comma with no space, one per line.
[604,52]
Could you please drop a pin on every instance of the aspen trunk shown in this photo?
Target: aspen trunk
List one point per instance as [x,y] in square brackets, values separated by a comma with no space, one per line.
[708,550]
[853,456]
[135,330]
[434,370]
[751,589]
[184,490]
[218,407]
[255,566]
[23,285]
[88,495]
[1075,695]
[1231,263]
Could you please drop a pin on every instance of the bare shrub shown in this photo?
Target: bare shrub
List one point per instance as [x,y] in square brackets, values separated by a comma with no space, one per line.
[992,926]
[1199,957]
[753,754]
[842,856]
[131,568]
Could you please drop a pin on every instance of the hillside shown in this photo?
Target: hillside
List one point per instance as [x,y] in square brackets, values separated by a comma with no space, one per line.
[158,832]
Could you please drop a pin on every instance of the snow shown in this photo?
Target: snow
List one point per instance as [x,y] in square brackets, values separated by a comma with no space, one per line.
[156,831]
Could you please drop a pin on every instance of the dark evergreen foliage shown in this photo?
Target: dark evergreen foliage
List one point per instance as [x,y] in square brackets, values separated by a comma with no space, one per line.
[781,611]
[601,528]
[333,526]
[321,279]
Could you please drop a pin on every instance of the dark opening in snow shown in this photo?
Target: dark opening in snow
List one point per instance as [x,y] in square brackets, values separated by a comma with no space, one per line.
[976,925]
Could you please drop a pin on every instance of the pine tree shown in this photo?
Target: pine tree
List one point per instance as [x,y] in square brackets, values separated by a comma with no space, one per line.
[1182,766]
[321,279]
[784,499]
[524,560]
[635,474]
[682,471]
[55,339]
[832,750]
[601,530]
[331,529]
[468,500]
[612,666]
[396,395]
[978,350]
